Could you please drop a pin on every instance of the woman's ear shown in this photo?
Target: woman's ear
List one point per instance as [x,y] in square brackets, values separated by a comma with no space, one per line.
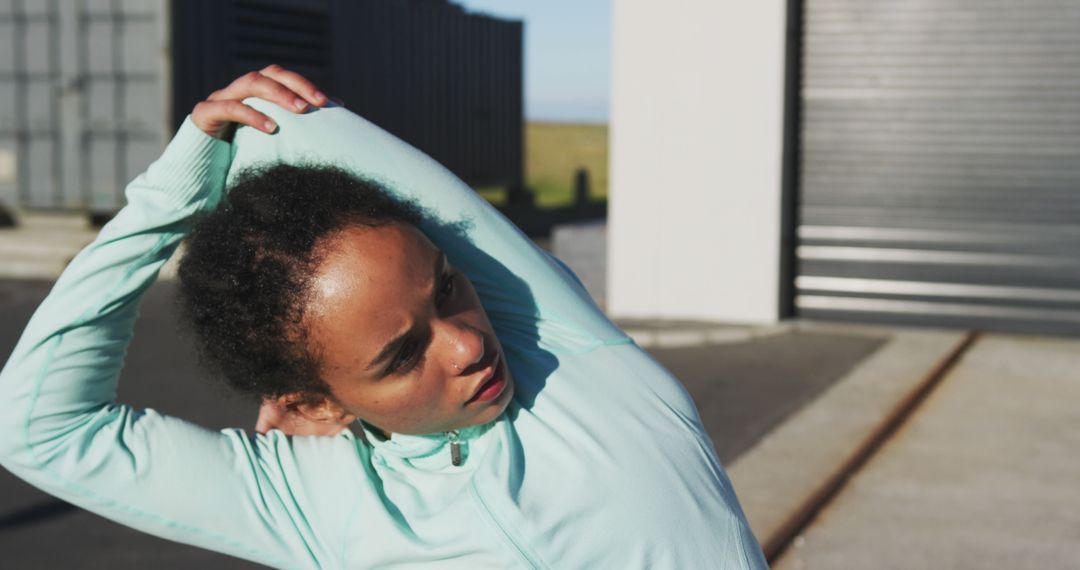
[298,415]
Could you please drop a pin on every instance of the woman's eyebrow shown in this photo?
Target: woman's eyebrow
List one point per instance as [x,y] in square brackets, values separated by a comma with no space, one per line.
[395,344]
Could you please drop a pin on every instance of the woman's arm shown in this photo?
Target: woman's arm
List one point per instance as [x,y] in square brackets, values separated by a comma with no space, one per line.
[60,428]
[527,293]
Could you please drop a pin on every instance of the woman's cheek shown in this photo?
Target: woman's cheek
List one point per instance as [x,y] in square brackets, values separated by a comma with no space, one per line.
[417,401]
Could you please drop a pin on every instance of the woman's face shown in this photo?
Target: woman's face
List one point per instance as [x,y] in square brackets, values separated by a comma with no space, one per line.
[403,341]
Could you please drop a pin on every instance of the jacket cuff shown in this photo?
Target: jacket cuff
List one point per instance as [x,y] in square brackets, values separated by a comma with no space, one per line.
[193,166]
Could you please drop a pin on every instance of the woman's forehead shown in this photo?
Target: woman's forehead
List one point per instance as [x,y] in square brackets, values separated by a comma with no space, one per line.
[374,278]
[396,253]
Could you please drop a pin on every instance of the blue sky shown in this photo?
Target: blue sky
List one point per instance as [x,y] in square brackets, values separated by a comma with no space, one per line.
[567,55]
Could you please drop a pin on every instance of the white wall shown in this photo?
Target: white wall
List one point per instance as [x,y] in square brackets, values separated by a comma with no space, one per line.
[696,144]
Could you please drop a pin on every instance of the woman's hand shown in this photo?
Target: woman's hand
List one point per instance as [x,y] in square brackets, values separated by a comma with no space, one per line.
[222,110]
[279,414]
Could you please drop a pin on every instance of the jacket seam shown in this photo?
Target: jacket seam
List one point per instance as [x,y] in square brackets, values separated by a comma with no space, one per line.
[529,558]
[351,521]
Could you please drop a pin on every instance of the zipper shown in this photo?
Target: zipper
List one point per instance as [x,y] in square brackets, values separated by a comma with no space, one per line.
[455,448]
[525,555]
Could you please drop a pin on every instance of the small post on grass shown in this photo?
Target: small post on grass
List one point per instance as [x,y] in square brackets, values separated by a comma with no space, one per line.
[581,188]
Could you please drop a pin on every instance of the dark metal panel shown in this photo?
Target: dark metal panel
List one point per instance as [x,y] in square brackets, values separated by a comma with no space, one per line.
[444,80]
[197,37]
[215,41]
[939,165]
[789,198]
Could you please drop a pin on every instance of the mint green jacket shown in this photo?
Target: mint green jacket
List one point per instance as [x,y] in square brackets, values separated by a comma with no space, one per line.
[600,461]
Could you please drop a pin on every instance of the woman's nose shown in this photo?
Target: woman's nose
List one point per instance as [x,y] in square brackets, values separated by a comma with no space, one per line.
[464,344]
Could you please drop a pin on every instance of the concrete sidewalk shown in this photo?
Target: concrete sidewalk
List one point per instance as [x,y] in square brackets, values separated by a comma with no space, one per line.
[986,474]
[788,471]
[42,244]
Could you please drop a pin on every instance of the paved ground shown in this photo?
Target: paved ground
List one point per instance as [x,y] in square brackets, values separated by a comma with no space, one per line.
[746,389]
[985,475]
[745,383]
[42,244]
[583,247]
[784,472]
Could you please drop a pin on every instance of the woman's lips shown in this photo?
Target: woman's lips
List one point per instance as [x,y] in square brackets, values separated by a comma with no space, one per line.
[492,385]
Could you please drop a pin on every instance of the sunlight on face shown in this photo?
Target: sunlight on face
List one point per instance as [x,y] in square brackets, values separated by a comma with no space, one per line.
[403,340]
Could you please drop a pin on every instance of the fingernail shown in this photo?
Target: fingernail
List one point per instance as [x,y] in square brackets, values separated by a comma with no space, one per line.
[270,126]
[300,104]
[320,96]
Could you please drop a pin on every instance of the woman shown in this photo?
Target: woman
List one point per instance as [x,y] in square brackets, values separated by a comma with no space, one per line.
[505,421]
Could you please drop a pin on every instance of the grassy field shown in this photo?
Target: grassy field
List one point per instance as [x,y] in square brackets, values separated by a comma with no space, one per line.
[553,153]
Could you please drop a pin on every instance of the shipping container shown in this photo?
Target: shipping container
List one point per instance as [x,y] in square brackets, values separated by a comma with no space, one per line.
[91,90]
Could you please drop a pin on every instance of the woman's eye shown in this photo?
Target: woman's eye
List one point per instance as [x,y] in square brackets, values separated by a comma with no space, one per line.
[405,359]
[410,355]
[446,289]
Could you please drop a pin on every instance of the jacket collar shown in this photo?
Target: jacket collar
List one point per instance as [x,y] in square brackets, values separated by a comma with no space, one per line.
[430,451]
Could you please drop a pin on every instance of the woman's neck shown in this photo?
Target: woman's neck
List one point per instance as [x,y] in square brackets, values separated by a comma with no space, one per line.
[377,430]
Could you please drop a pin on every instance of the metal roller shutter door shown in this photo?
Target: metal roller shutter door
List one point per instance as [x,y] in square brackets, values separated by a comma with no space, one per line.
[939,169]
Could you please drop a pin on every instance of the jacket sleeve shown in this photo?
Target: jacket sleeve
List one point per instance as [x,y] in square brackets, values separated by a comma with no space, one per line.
[60,428]
[530,296]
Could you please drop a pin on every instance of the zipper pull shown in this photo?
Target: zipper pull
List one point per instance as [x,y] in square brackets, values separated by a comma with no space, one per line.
[455,448]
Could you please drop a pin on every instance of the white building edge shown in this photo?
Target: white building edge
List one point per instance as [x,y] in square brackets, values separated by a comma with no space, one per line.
[697,131]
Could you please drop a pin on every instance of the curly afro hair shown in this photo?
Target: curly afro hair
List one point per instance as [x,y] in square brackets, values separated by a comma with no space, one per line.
[248,265]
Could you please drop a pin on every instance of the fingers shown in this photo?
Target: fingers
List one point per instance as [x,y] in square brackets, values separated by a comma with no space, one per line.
[296,82]
[258,85]
[269,418]
[275,414]
[288,89]
[214,117]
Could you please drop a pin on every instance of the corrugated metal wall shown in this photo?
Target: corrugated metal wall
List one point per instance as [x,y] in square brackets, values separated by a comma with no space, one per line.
[940,163]
[82,100]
